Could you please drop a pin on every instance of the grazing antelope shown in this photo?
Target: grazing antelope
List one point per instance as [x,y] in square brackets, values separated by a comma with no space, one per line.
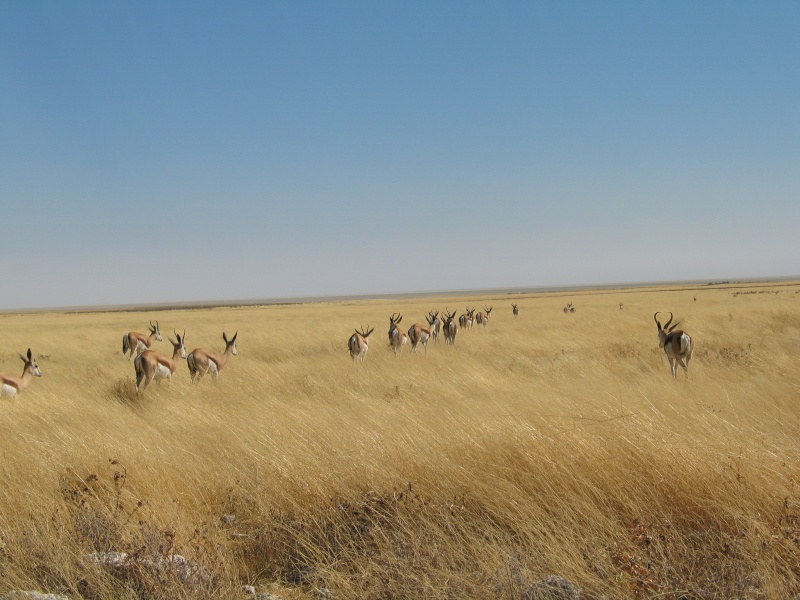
[515,309]
[134,342]
[202,361]
[419,334]
[466,320]
[450,328]
[358,344]
[569,308]
[13,386]
[620,305]
[483,318]
[151,365]
[435,323]
[677,344]
[397,338]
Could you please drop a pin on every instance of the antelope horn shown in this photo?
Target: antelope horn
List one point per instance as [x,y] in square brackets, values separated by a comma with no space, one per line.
[668,322]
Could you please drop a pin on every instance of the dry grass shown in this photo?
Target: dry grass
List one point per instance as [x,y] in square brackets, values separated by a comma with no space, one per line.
[547,444]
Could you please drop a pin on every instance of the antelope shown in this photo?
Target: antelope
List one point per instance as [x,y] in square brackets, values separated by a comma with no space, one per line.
[13,386]
[466,320]
[483,318]
[397,338]
[358,344]
[569,308]
[515,309]
[134,342]
[151,365]
[450,328]
[620,305]
[435,323]
[418,334]
[202,361]
[677,344]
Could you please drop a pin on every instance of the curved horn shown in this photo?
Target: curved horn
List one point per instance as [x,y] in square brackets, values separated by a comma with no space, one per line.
[668,322]
[655,318]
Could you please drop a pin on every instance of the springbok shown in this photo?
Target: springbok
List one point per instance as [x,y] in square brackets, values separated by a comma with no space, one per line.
[466,320]
[201,361]
[419,334]
[483,318]
[134,342]
[13,386]
[151,365]
[358,344]
[677,344]
[515,309]
[450,328]
[397,338]
[569,308]
[435,323]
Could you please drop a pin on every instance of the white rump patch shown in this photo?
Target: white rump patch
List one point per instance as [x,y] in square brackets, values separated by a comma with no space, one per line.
[8,390]
[162,372]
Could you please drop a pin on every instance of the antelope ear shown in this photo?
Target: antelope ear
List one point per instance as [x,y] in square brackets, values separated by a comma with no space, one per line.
[30,356]
[234,336]
[224,337]
[23,358]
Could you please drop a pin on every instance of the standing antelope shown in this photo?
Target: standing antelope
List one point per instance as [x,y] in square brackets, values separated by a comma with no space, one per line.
[483,318]
[397,338]
[435,323]
[419,334]
[450,328]
[358,344]
[677,344]
[202,361]
[151,365]
[466,320]
[13,386]
[134,342]
[515,309]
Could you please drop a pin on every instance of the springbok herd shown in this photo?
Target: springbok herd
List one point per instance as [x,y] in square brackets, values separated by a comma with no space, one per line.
[151,365]
[677,344]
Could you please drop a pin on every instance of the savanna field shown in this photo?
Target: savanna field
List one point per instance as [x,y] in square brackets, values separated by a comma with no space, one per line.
[549,444]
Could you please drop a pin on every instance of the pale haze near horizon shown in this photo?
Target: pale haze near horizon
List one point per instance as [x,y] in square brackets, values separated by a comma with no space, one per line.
[199,151]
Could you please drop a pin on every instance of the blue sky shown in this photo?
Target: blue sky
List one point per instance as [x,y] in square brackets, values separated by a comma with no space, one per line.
[188,151]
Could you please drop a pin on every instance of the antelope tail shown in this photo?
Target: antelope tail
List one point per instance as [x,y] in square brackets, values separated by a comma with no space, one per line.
[192,366]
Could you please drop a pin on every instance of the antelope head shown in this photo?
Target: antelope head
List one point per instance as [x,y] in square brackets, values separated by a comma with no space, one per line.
[365,334]
[155,331]
[230,343]
[180,344]
[32,362]
[663,331]
[394,320]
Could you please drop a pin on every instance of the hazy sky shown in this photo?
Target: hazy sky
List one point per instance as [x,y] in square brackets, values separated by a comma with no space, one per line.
[170,151]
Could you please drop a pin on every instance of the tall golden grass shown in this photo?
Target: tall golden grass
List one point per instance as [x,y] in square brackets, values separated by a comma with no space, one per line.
[547,444]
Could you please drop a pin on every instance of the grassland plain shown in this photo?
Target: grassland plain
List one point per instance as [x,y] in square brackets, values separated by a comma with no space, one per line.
[547,444]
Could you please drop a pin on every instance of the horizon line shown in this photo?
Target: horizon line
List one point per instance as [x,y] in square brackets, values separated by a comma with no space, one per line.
[284,300]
